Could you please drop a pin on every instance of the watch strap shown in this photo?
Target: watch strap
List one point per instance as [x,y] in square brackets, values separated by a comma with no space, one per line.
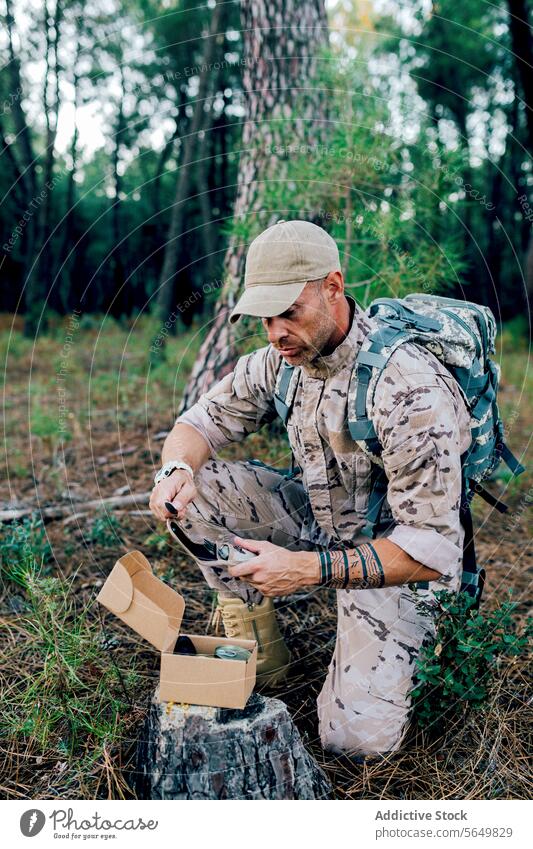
[168,468]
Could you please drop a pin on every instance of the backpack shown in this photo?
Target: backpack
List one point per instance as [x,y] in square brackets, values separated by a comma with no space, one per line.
[461,335]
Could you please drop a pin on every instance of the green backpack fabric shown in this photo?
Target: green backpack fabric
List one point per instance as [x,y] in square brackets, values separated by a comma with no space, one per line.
[461,335]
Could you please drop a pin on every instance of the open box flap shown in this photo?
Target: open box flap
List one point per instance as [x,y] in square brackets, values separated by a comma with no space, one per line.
[134,561]
[117,592]
[159,611]
[149,606]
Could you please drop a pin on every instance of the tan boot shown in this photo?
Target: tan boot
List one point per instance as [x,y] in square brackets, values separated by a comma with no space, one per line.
[258,622]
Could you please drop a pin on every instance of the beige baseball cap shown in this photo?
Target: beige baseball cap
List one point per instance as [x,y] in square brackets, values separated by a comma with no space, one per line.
[280,261]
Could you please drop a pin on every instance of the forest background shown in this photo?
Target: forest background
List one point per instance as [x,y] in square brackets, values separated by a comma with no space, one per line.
[143,144]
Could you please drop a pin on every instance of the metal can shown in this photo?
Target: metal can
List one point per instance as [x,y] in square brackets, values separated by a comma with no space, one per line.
[232,653]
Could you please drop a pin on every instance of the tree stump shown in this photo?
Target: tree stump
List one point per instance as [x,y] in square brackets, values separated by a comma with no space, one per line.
[192,752]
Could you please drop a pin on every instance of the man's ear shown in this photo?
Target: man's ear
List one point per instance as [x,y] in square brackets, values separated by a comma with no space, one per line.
[335,286]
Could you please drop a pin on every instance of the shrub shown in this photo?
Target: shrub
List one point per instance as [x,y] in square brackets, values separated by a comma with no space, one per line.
[68,694]
[105,530]
[455,670]
[24,549]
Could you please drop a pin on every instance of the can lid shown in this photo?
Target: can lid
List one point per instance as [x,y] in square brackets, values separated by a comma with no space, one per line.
[232,653]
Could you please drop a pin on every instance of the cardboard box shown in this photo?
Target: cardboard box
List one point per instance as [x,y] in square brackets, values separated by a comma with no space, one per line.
[155,611]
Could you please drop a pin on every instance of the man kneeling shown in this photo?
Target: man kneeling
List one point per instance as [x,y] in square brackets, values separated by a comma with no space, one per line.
[306,529]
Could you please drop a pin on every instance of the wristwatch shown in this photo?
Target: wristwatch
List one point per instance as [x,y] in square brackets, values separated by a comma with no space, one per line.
[166,470]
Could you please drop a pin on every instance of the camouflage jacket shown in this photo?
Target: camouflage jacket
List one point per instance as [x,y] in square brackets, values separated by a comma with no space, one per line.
[420,419]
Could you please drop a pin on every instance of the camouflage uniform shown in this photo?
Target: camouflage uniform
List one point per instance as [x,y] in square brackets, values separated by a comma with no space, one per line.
[423,425]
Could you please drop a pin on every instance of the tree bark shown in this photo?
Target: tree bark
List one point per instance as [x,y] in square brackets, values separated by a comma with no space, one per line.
[281,42]
[216,753]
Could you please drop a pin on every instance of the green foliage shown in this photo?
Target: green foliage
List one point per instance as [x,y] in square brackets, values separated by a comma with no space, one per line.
[517,331]
[378,196]
[66,692]
[466,73]
[44,425]
[104,530]
[157,542]
[24,550]
[455,671]
[19,466]
[459,44]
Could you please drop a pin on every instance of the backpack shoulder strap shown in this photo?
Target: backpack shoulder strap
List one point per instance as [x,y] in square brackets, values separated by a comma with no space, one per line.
[472,578]
[370,362]
[373,356]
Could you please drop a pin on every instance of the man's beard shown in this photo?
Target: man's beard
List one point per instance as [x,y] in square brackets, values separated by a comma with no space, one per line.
[320,342]
[312,352]
[320,335]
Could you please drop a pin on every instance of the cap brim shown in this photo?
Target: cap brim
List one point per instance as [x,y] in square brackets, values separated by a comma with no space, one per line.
[266,301]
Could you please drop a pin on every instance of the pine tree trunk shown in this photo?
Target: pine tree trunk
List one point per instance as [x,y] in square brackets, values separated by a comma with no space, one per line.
[216,753]
[170,260]
[282,39]
[522,43]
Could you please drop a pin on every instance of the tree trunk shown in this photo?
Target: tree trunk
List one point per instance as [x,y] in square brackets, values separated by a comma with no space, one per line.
[52,27]
[216,753]
[522,42]
[22,130]
[281,42]
[66,253]
[39,270]
[168,271]
[206,204]
[164,156]
[26,158]
[117,299]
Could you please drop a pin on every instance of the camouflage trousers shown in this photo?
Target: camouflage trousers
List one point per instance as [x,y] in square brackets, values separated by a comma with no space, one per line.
[363,708]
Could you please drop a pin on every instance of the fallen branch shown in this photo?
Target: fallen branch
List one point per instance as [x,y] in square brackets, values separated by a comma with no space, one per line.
[59,511]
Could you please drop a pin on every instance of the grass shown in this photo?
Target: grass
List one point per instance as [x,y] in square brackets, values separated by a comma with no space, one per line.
[24,550]
[67,702]
[76,684]
[104,530]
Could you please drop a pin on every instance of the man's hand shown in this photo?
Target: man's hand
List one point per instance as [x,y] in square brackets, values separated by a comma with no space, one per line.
[275,571]
[179,489]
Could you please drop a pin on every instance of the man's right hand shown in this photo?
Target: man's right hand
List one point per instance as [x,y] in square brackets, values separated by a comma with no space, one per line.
[179,489]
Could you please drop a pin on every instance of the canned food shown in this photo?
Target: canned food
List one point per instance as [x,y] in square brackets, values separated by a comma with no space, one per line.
[232,653]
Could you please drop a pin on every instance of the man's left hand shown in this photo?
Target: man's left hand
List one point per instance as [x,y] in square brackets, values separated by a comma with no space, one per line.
[275,571]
